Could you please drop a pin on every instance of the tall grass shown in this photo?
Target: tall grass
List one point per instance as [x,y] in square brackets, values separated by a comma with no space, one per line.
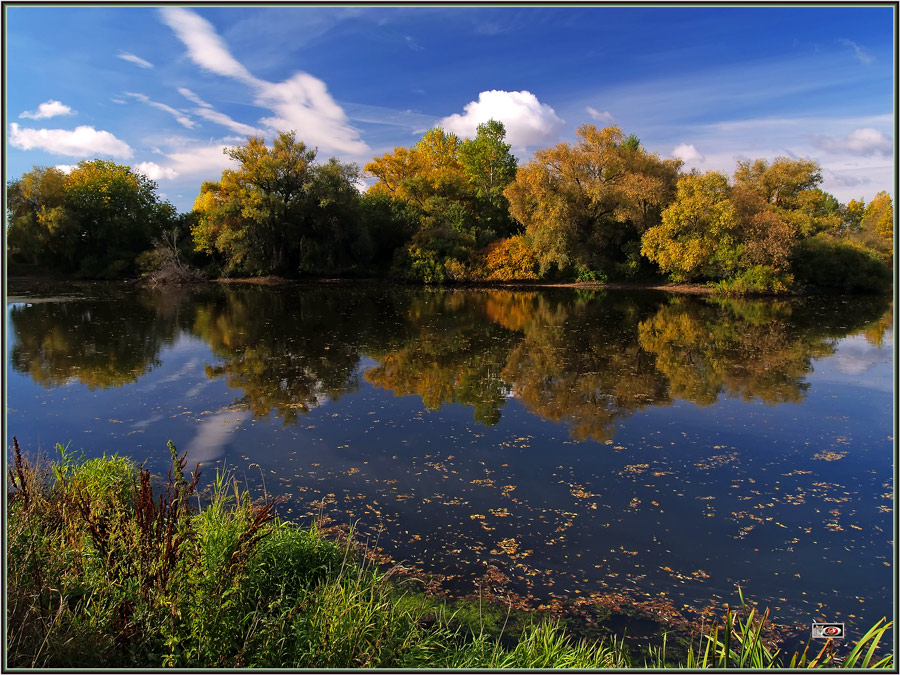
[108,567]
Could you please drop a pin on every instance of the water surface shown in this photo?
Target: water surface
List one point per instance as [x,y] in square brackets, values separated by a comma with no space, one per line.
[555,443]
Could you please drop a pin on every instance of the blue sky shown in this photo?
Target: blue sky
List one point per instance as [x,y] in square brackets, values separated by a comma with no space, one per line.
[165,88]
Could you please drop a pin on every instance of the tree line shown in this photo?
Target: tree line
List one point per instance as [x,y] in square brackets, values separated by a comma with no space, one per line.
[460,210]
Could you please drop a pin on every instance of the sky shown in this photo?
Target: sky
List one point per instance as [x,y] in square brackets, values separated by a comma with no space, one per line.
[165,88]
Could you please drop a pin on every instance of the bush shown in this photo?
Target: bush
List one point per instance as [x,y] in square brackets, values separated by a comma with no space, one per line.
[758,280]
[828,263]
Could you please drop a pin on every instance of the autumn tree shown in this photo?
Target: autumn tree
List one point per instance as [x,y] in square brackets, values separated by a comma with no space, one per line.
[456,187]
[697,237]
[279,212]
[585,206]
[93,221]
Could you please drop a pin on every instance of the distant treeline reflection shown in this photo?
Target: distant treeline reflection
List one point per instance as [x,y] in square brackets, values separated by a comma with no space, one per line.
[584,359]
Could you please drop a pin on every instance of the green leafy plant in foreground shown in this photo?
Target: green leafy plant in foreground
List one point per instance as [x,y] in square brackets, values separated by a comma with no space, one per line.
[109,567]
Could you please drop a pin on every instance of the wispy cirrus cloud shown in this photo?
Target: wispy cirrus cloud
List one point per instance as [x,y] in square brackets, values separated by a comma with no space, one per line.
[300,103]
[863,142]
[861,54]
[528,122]
[83,141]
[208,112]
[47,110]
[136,60]
[179,116]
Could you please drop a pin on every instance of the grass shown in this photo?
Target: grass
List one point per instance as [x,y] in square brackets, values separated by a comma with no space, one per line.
[109,567]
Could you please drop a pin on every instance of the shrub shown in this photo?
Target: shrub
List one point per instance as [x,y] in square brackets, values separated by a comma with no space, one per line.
[758,280]
[828,263]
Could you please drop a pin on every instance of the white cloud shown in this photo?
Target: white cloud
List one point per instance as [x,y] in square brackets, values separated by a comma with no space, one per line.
[65,168]
[303,103]
[154,171]
[137,60]
[205,161]
[527,120]
[864,142]
[687,153]
[226,121]
[205,47]
[83,141]
[47,110]
[861,54]
[606,116]
[193,98]
[179,116]
[300,103]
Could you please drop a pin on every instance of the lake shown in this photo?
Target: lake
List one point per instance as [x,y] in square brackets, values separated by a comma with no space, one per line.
[552,444]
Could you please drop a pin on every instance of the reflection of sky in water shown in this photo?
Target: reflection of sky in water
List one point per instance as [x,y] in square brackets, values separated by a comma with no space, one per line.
[685,499]
[858,363]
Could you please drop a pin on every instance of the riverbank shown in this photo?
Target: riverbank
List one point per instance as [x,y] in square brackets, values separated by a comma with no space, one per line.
[111,567]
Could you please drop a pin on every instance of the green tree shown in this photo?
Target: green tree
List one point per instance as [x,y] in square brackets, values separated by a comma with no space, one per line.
[278,212]
[95,221]
[489,167]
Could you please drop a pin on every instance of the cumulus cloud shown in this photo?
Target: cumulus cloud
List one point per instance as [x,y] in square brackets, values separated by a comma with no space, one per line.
[863,142]
[154,171]
[605,116]
[83,141]
[65,168]
[179,116]
[47,110]
[137,60]
[300,103]
[527,120]
[204,160]
[687,153]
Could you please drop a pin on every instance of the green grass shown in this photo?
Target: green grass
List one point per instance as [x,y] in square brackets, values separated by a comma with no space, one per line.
[108,567]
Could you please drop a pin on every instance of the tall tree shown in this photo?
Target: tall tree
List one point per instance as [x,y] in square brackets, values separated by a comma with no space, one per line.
[586,206]
[94,221]
[278,212]
[489,167]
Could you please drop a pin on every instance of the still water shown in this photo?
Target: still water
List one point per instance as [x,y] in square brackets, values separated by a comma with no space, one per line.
[553,443]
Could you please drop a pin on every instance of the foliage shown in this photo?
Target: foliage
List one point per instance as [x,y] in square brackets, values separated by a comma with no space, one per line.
[93,221]
[583,205]
[456,189]
[759,279]
[510,259]
[697,237]
[279,213]
[840,265]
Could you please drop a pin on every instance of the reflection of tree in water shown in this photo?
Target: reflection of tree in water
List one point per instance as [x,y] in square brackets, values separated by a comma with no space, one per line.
[752,349]
[106,341]
[580,365]
[450,355]
[289,349]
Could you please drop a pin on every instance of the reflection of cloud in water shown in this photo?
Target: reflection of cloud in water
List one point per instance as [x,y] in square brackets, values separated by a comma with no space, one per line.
[212,436]
[197,388]
[147,422]
[186,369]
